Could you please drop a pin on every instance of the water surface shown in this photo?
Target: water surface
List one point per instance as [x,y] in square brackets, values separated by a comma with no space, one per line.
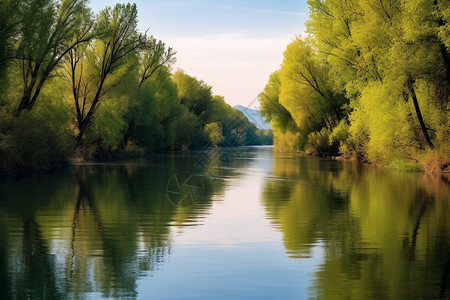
[240,223]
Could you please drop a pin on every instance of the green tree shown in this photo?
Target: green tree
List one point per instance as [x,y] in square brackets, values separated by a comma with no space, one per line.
[391,59]
[108,60]
[47,32]
[304,91]
[234,129]
[154,57]
[279,117]
[196,96]
[153,60]
[9,21]
[157,113]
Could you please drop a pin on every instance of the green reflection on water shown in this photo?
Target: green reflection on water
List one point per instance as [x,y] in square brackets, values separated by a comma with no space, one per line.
[93,231]
[95,228]
[385,234]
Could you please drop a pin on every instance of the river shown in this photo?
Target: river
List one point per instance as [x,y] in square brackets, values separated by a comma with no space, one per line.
[240,223]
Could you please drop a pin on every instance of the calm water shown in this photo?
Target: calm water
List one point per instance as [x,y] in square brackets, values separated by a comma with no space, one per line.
[225,224]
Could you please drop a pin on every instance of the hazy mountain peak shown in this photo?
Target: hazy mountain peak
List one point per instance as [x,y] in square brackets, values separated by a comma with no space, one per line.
[254,116]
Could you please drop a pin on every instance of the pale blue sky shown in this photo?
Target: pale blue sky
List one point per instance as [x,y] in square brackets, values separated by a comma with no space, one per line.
[231,45]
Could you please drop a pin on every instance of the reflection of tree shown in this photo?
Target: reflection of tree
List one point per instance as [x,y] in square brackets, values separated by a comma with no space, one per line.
[417,213]
[86,213]
[29,269]
[92,228]
[37,260]
[131,238]
[384,234]
[34,257]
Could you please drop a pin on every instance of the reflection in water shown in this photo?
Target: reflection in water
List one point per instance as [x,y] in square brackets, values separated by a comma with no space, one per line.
[93,229]
[384,234]
[102,231]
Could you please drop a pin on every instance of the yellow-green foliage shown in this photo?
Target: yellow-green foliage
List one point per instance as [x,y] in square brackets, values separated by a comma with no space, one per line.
[212,121]
[41,138]
[195,95]
[443,12]
[388,120]
[280,118]
[300,99]
[302,91]
[214,131]
[187,133]
[157,111]
[391,59]
[286,141]
[339,134]
[108,127]
[435,109]
[405,165]
[318,143]
[74,84]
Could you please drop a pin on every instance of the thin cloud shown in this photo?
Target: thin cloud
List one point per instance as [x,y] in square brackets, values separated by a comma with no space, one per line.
[229,35]
[261,10]
[238,68]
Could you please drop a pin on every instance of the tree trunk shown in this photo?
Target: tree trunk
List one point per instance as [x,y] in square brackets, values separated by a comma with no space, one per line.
[419,114]
[124,142]
[79,138]
[446,58]
[37,92]
[82,128]
[24,102]
[87,119]
[28,96]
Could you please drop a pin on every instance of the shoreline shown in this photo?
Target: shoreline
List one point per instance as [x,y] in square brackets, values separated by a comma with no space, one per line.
[122,157]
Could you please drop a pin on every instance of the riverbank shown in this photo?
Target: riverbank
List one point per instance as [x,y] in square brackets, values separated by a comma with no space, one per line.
[429,164]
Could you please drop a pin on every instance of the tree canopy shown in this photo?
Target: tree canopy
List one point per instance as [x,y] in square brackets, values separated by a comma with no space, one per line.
[369,80]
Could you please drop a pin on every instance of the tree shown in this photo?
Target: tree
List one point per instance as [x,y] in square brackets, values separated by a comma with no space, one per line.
[307,92]
[279,117]
[9,21]
[156,113]
[118,39]
[196,96]
[391,58]
[154,57]
[46,34]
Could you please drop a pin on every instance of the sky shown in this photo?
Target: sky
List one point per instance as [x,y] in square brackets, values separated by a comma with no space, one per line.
[231,45]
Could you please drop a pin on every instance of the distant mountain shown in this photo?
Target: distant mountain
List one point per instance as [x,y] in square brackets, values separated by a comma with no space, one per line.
[254,116]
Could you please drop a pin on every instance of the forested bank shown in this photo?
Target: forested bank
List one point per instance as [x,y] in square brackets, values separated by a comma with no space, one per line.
[74,85]
[370,80]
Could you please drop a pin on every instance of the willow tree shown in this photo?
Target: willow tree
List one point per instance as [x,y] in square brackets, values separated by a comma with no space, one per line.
[153,57]
[9,21]
[425,58]
[391,57]
[307,93]
[196,96]
[151,117]
[47,32]
[89,69]
[281,121]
